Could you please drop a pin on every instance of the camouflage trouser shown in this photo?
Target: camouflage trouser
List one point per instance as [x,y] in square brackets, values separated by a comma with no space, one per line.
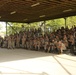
[30,46]
[27,45]
[13,44]
[23,44]
[49,49]
[72,49]
[38,47]
[9,44]
[17,44]
[45,47]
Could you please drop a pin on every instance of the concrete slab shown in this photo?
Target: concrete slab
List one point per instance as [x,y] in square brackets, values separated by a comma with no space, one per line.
[27,62]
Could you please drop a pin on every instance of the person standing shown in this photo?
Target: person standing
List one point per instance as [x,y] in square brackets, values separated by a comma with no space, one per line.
[9,42]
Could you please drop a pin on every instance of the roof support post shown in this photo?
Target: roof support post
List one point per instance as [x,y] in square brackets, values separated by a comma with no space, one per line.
[44,23]
[6,28]
[65,22]
[44,26]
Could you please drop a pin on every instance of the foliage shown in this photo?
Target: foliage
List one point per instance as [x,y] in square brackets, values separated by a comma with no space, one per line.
[51,25]
[55,24]
[13,28]
[71,21]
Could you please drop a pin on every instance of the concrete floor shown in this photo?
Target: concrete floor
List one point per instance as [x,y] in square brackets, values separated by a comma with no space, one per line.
[26,62]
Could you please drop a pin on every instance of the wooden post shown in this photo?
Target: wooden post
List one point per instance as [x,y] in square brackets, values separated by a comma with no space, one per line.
[44,26]
[65,22]
[6,28]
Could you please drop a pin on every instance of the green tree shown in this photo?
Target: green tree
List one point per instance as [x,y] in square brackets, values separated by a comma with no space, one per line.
[52,24]
[17,27]
[13,28]
[55,24]
[71,21]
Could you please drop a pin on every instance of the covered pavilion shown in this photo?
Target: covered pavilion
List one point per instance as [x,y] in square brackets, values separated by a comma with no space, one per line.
[25,62]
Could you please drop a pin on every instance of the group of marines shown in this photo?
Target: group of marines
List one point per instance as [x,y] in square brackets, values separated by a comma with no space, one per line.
[55,42]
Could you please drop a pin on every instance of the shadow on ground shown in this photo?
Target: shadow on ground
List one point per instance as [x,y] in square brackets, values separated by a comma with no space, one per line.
[20,54]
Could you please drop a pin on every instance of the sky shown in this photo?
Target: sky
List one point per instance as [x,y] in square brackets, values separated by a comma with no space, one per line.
[3,26]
